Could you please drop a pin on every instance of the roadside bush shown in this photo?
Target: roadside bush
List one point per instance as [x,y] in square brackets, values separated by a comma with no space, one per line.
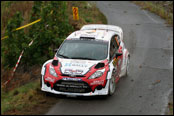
[47,34]
[15,43]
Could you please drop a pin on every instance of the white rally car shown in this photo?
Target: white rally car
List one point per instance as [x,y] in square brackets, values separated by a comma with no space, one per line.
[89,62]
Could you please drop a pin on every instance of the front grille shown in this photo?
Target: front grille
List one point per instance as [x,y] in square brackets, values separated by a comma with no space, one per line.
[68,75]
[72,86]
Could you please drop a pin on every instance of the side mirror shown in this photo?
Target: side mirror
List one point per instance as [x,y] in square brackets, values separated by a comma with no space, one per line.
[55,62]
[118,54]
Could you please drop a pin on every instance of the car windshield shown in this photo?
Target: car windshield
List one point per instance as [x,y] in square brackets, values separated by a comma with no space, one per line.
[83,49]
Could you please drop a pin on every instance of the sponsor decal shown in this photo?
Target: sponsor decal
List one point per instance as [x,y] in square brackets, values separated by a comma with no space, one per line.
[115,61]
[74,64]
[120,49]
[71,79]
[73,72]
[49,79]
[97,82]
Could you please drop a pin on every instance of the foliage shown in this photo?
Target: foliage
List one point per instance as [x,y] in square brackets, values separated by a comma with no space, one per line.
[47,34]
[15,43]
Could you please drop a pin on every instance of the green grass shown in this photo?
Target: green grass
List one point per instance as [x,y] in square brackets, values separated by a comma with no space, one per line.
[19,98]
[94,16]
[170,105]
[5,5]
[9,8]
[86,17]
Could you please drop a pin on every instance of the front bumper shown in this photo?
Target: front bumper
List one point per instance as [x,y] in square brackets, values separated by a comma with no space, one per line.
[103,91]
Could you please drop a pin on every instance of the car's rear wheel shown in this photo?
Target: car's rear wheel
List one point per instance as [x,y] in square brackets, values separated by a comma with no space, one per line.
[112,85]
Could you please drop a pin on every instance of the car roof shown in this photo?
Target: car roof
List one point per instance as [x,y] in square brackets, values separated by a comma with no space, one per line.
[97,31]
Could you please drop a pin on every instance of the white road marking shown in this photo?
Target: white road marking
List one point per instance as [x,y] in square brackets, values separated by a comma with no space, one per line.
[150,17]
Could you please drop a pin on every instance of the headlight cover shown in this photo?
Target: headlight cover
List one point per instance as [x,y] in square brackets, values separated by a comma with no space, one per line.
[97,74]
[52,71]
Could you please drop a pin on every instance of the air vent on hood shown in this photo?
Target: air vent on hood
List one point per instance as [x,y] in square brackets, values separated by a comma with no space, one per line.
[99,65]
[87,38]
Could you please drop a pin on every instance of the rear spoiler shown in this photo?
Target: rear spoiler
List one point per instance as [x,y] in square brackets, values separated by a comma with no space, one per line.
[114,28]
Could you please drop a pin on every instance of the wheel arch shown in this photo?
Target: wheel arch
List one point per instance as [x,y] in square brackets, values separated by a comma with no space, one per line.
[43,66]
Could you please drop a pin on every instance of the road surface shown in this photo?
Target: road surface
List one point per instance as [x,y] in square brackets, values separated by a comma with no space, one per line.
[146,90]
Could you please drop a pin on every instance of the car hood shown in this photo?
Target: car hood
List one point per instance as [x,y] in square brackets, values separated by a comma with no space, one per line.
[76,66]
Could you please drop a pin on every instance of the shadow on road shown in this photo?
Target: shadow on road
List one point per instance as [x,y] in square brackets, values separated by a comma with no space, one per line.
[78,97]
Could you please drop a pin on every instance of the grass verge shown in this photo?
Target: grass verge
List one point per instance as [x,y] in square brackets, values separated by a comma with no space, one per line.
[9,8]
[25,99]
[170,106]
[85,17]
[162,8]
[24,96]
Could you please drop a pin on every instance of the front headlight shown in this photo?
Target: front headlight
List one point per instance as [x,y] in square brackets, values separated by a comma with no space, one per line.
[52,71]
[97,74]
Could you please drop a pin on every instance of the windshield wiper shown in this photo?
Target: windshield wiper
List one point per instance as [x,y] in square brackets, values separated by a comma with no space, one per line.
[83,58]
[63,56]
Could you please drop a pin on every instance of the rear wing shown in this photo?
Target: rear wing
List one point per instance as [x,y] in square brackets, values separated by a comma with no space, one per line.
[114,28]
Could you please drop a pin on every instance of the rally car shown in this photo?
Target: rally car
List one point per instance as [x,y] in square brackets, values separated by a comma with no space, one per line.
[89,62]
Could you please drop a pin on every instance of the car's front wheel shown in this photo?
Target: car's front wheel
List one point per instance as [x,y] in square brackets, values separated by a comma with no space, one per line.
[112,85]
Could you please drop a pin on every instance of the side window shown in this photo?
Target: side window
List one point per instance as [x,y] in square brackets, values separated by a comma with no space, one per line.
[113,48]
[117,40]
[114,45]
[111,51]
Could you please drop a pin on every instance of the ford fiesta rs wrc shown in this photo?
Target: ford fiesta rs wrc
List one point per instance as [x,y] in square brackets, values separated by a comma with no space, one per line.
[89,62]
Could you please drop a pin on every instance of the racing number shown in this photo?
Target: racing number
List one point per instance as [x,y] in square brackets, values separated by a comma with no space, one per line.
[115,61]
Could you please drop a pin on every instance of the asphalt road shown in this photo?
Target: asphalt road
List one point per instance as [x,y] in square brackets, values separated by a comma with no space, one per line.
[146,90]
